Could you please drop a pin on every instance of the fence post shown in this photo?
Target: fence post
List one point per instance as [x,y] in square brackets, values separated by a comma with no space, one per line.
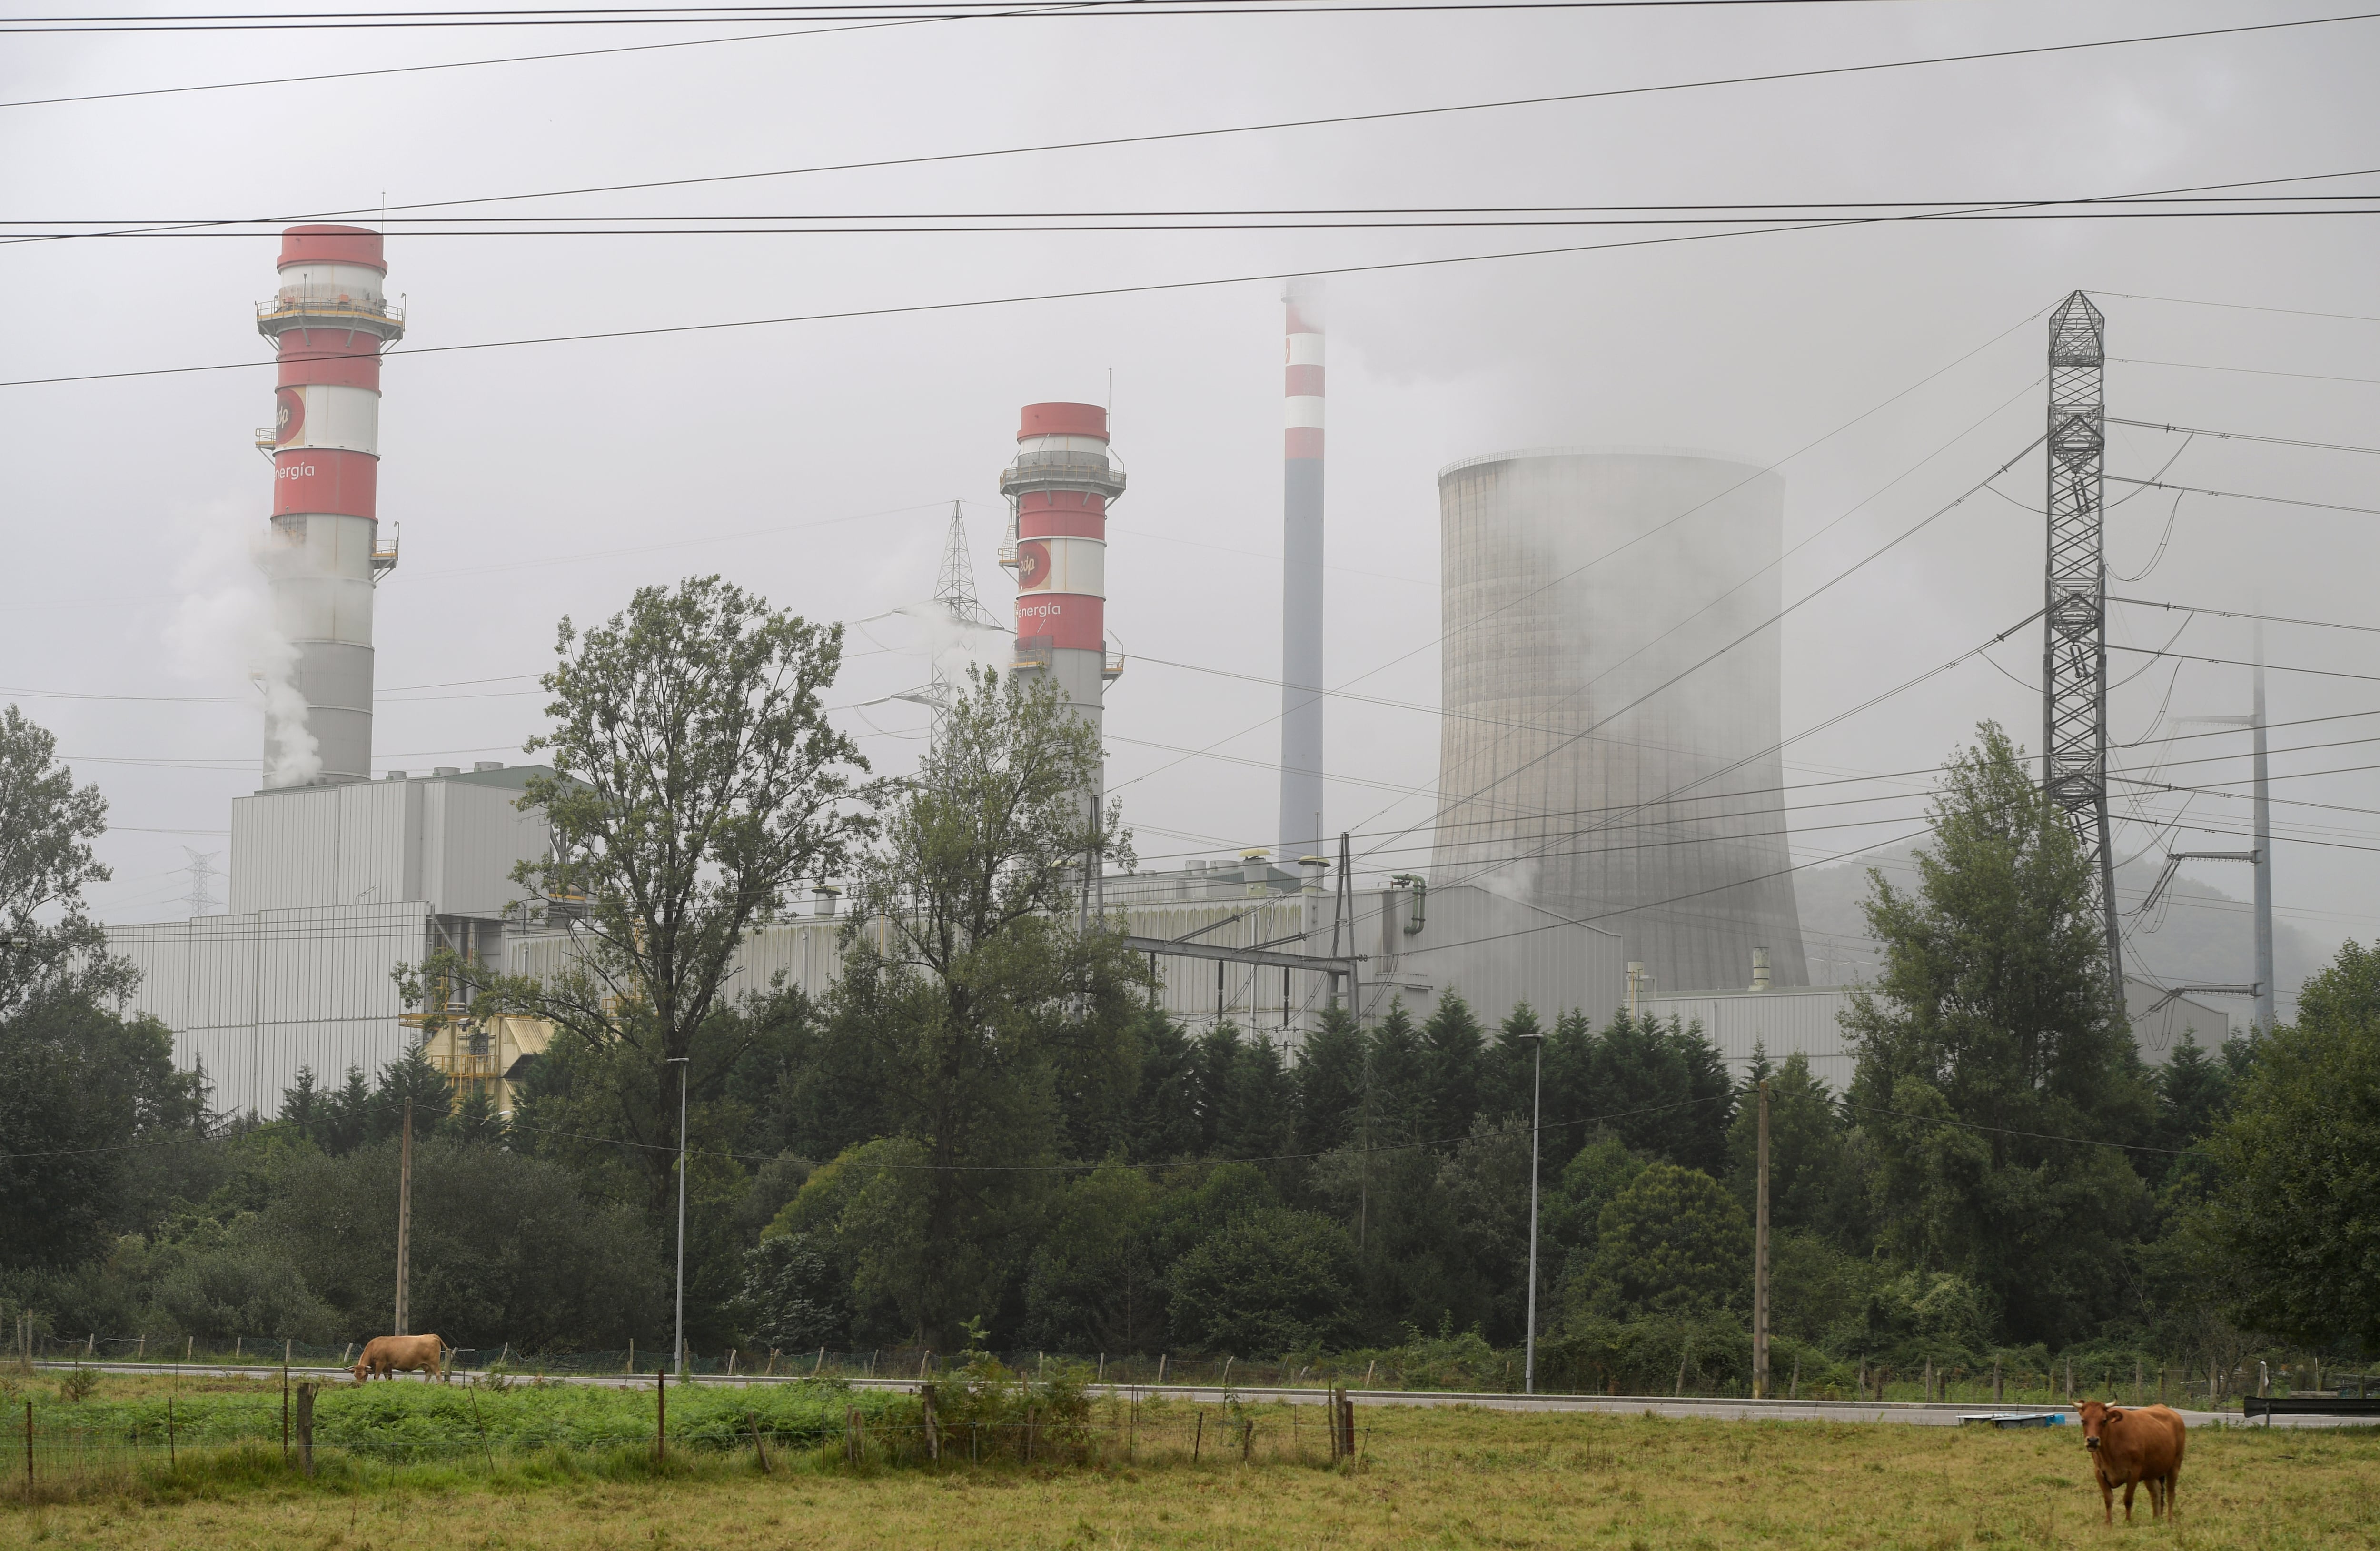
[632,1356]
[757,1446]
[477,1421]
[285,1414]
[1198,1438]
[1333,1404]
[819,1364]
[306,1428]
[1160,1367]
[28,1451]
[1247,1440]
[172,1461]
[661,1415]
[933,1439]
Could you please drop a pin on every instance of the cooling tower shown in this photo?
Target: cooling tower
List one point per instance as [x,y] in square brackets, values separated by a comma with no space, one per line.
[1576,585]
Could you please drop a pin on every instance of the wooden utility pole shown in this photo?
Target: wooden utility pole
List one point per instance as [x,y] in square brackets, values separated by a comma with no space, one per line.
[403,1216]
[1760,1261]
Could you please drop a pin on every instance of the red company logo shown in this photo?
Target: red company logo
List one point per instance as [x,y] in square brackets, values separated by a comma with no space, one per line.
[289,418]
[1032,565]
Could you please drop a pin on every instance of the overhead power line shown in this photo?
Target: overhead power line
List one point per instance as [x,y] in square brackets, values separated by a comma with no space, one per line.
[2241,436]
[1583,96]
[2241,495]
[910,308]
[1142,289]
[1127,223]
[745,15]
[2242,613]
[2228,307]
[2238,662]
[2246,371]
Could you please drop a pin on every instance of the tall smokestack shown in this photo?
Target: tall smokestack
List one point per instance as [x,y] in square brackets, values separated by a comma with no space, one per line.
[328,323]
[1058,488]
[1301,578]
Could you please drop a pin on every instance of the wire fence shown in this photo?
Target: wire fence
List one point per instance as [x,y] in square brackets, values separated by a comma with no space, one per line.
[55,1456]
[1490,1372]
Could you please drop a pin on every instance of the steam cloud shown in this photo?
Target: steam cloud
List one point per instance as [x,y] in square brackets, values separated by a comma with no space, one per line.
[223,629]
[955,647]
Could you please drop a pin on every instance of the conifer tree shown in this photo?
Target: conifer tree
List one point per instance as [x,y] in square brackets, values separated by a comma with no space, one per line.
[1451,1044]
[1330,1082]
[1398,1104]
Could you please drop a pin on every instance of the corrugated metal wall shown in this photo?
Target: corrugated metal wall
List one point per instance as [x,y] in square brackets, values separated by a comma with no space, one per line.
[251,998]
[1809,1021]
[1783,1023]
[472,836]
[451,842]
[1497,953]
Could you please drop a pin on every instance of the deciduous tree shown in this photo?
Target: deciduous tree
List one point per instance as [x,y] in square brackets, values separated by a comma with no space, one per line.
[1991,1038]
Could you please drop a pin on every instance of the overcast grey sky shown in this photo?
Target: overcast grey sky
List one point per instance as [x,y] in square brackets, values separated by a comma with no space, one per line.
[816,462]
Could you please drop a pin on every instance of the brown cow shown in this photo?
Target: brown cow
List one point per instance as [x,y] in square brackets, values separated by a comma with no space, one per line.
[2130,1446]
[384,1355]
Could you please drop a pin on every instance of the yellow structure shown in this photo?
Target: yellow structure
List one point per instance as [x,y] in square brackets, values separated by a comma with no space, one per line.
[486,1055]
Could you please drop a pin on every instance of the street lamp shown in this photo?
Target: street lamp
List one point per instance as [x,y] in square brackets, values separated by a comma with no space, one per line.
[682,1063]
[1536,1110]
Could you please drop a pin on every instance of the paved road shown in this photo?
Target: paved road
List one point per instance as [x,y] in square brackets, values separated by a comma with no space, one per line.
[1905,1413]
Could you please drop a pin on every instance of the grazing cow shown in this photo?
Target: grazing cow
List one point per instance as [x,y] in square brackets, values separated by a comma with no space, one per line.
[384,1355]
[2132,1445]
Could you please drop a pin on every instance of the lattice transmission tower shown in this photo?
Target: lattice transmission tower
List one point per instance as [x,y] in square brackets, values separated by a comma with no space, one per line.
[2074,629]
[201,897]
[954,594]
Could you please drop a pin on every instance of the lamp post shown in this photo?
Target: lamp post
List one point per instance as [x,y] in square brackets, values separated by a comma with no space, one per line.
[1536,1112]
[683,1063]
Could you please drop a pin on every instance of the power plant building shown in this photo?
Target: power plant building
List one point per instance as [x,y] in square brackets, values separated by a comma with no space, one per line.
[1591,763]
[334,887]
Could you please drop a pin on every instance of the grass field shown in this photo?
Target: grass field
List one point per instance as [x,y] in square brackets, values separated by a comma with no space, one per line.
[1451,1478]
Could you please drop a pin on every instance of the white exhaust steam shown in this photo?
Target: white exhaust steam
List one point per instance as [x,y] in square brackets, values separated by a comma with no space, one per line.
[222,633]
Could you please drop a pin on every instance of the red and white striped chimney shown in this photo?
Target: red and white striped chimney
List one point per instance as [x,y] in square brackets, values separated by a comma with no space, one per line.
[329,322]
[1058,488]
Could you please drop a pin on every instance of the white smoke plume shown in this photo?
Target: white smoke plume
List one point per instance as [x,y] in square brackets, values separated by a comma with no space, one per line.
[955,647]
[221,632]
